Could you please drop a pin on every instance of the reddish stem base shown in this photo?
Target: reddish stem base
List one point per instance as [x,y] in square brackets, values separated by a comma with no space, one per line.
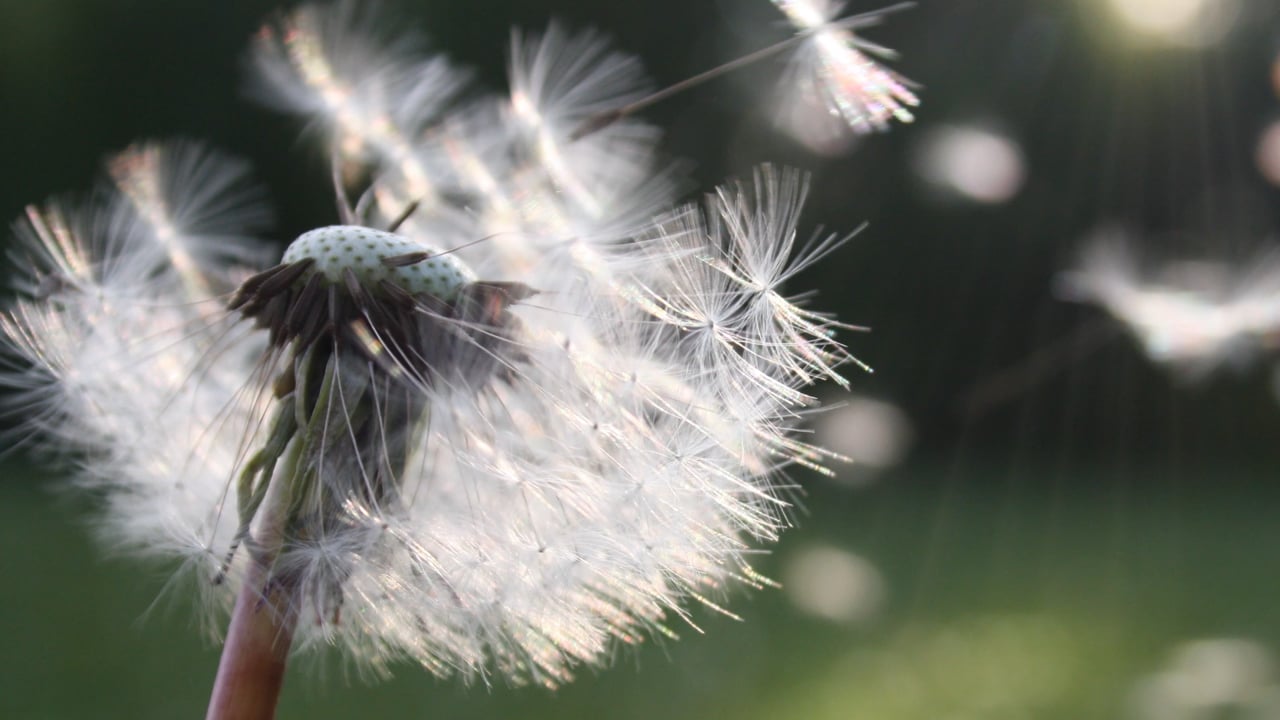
[251,671]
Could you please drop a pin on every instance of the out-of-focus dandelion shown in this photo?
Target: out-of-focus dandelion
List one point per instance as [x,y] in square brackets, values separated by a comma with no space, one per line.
[1195,317]
[834,71]
[512,410]
[1213,677]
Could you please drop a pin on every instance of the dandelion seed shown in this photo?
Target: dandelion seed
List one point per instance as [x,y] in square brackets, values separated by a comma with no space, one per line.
[558,80]
[1195,317]
[371,90]
[834,69]
[494,455]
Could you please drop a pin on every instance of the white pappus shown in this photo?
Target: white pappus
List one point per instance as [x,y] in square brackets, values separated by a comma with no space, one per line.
[834,72]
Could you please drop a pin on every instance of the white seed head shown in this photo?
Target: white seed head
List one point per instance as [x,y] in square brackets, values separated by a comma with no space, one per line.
[364,251]
[440,471]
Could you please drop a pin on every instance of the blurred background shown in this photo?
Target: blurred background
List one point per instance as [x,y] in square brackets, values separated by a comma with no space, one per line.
[1044,519]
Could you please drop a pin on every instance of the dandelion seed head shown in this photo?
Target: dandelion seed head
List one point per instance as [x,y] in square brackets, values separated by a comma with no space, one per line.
[547,414]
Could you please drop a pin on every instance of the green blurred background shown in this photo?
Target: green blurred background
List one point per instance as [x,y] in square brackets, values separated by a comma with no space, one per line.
[1096,542]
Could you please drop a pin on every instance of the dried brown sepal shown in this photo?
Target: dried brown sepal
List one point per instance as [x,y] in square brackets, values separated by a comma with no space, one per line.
[415,334]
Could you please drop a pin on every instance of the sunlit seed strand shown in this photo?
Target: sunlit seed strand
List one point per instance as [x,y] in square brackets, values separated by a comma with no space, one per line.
[60,247]
[558,79]
[136,174]
[476,174]
[865,93]
[358,123]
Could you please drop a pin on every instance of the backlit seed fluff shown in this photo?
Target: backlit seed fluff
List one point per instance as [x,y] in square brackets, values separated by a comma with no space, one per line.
[835,70]
[1195,316]
[502,452]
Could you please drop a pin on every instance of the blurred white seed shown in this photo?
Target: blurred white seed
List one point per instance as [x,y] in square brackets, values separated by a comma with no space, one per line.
[833,584]
[873,435]
[1194,317]
[972,163]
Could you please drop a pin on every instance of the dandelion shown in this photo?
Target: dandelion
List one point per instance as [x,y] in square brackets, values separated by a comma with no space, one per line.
[506,414]
[1195,317]
[833,69]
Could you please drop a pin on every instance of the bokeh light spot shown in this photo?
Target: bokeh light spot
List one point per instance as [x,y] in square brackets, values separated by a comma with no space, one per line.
[971,162]
[1191,23]
[872,434]
[1267,156]
[1160,17]
[833,584]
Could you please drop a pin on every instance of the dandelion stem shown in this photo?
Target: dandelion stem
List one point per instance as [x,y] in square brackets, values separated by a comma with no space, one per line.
[254,656]
[251,672]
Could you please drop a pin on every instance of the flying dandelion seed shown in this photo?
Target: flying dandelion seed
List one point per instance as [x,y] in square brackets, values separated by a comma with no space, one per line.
[1195,317]
[494,456]
[833,69]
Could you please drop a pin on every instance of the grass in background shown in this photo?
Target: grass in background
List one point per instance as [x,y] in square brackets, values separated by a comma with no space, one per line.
[1014,600]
